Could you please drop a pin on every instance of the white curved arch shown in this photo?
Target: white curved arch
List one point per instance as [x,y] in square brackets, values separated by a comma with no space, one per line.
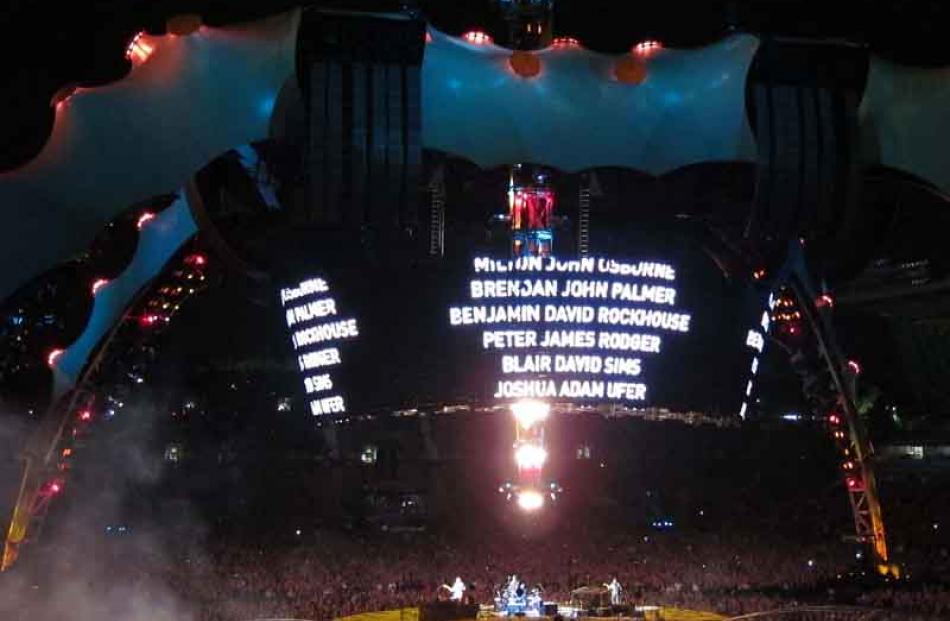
[113,146]
[158,241]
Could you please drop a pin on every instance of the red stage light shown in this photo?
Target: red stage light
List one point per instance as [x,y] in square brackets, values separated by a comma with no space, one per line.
[98,284]
[55,487]
[196,259]
[854,366]
[53,356]
[825,300]
[477,37]
[143,219]
[645,48]
[568,42]
[85,415]
[428,37]
[147,321]
[758,274]
[138,49]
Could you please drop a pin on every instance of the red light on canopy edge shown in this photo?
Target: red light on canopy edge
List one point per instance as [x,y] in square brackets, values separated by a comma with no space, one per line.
[428,37]
[565,42]
[98,284]
[61,97]
[196,259]
[138,50]
[477,37]
[85,415]
[55,487]
[645,48]
[53,356]
[854,366]
[144,219]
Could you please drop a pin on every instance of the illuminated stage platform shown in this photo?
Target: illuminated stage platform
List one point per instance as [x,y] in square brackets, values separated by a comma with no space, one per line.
[487,612]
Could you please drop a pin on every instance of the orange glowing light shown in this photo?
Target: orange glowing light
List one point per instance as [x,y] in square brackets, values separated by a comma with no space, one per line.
[525,64]
[630,70]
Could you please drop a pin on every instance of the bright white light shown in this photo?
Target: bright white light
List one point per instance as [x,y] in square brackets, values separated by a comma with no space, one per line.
[530,500]
[530,457]
[754,340]
[528,412]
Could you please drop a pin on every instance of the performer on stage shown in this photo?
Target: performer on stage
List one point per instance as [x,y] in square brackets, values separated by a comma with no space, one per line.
[513,584]
[615,590]
[535,601]
[457,589]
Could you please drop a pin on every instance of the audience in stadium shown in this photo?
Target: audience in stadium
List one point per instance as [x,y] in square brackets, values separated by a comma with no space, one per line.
[331,575]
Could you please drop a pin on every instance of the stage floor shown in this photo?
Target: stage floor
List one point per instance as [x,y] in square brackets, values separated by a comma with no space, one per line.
[660,612]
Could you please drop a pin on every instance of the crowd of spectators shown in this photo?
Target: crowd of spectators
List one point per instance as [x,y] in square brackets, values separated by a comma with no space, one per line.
[330,575]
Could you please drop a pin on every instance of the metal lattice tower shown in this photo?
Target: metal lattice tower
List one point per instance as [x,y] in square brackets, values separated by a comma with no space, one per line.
[583,220]
[437,214]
